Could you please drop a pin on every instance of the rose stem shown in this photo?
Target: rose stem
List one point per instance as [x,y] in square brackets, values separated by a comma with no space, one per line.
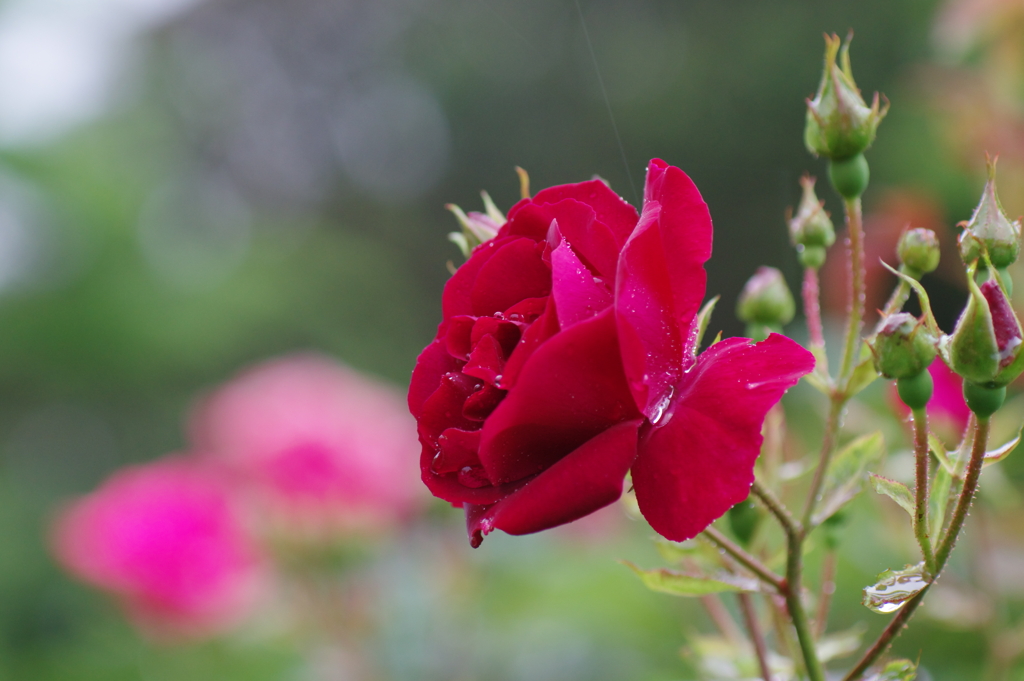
[855,308]
[827,445]
[963,504]
[756,635]
[828,587]
[897,300]
[921,457]
[794,574]
[744,558]
[812,308]
[723,620]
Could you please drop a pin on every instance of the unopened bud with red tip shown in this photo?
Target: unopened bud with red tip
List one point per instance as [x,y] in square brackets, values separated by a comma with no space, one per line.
[918,251]
[811,230]
[477,228]
[902,346]
[766,303]
[989,230]
[840,124]
[985,347]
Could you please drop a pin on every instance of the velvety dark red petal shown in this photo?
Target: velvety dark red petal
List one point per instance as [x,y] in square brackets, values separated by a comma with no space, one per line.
[443,409]
[458,450]
[587,479]
[528,220]
[458,336]
[433,363]
[649,333]
[487,360]
[611,209]
[699,461]
[571,389]
[544,327]
[449,487]
[515,271]
[578,294]
[686,231]
[457,296]
[507,333]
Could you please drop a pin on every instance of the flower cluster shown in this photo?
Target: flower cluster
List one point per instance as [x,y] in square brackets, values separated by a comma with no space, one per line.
[568,356]
[299,447]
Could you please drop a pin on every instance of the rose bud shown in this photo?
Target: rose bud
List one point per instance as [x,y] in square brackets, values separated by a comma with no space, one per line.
[811,230]
[567,357]
[477,228]
[840,124]
[903,347]
[323,451]
[989,230]
[765,303]
[985,347]
[168,541]
[918,251]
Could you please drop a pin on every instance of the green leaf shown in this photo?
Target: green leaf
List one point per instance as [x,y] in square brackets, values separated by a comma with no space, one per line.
[847,473]
[679,584]
[996,455]
[896,670]
[863,375]
[896,491]
[703,319]
[939,450]
[819,378]
[939,499]
[895,587]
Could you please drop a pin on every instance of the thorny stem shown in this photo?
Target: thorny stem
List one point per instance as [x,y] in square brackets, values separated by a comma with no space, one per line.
[921,459]
[756,635]
[812,308]
[794,569]
[776,507]
[795,534]
[827,445]
[963,504]
[855,308]
[744,558]
[828,587]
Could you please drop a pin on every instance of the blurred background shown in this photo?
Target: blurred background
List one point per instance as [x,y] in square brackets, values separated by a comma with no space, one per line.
[191,186]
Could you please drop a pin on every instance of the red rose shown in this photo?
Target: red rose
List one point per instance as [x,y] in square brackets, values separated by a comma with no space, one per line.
[566,357]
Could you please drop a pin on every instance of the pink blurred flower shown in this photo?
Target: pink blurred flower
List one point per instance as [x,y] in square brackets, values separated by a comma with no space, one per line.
[947,411]
[166,539]
[324,447]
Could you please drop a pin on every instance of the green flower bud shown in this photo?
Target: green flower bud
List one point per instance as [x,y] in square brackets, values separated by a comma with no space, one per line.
[839,123]
[989,230]
[982,400]
[918,251]
[985,347]
[903,347]
[811,225]
[849,176]
[477,228]
[766,300]
[916,391]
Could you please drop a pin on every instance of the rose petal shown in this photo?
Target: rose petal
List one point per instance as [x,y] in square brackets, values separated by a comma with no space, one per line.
[515,271]
[651,340]
[686,231]
[457,296]
[433,363]
[578,294]
[700,461]
[544,327]
[582,482]
[571,389]
[610,208]
[487,360]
